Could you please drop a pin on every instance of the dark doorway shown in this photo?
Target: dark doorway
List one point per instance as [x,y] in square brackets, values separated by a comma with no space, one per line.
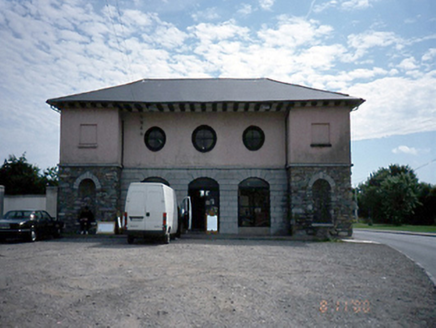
[87,198]
[87,193]
[321,193]
[204,193]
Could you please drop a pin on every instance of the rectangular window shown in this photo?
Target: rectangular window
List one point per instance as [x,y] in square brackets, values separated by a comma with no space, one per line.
[88,136]
[320,135]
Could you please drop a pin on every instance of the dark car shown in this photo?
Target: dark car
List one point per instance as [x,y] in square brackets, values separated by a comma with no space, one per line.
[30,225]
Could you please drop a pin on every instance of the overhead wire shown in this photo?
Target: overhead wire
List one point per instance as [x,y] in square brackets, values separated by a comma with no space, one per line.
[124,40]
[424,165]
[126,58]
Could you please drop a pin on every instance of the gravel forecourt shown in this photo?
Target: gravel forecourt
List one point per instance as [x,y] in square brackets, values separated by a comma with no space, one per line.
[101,281]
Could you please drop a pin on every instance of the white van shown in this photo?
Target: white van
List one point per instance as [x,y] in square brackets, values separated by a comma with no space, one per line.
[151,211]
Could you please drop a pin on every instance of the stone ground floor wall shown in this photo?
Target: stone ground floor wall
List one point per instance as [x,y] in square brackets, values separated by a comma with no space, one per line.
[102,193]
[291,193]
[301,181]
[228,181]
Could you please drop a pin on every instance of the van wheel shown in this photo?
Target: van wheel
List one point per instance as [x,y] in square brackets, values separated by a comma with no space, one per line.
[167,238]
[130,239]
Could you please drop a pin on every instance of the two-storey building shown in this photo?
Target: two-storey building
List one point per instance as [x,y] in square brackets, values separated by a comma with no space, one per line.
[264,156]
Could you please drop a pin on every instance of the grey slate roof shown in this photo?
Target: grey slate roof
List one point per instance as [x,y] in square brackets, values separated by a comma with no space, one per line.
[205,91]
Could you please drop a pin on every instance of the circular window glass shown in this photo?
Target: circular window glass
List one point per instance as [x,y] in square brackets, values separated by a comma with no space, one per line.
[253,138]
[204,138]
[155,138]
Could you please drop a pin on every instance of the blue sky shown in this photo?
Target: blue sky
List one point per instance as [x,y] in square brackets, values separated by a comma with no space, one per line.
[381,50]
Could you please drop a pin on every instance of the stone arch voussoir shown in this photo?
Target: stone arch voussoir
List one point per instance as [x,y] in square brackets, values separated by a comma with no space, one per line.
[324,176]
[87,175]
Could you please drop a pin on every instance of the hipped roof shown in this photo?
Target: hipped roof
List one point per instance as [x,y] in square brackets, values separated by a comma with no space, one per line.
[212,90]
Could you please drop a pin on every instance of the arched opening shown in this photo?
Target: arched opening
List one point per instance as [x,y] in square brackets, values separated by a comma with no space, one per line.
[87,194]
[204,193]
[87,191]
[254,203]
[157,179]
[321,194]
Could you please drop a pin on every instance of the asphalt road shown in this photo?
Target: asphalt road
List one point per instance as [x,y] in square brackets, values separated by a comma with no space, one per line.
[421,249]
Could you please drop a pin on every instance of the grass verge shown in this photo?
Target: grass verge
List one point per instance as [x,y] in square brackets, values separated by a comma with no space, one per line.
[411,228]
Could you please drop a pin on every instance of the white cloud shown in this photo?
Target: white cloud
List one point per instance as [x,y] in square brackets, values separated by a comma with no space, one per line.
[206,32]
[245,9]
[85,49]
[346,5]
[429,55]
[405,150]
[321,7]
[355,4]
[394,106]
[408,64]
[364,41]
[208,14]
[266,4]
[292,32]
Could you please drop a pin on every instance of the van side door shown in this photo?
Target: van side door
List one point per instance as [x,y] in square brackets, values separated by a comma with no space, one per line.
[186,213]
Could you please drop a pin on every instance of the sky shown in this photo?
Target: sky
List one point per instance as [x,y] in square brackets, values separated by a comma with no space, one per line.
[381,50]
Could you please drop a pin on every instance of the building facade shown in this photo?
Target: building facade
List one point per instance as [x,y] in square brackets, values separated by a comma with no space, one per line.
[266,157]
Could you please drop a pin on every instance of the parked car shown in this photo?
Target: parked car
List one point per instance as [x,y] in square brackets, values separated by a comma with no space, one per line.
[30,225]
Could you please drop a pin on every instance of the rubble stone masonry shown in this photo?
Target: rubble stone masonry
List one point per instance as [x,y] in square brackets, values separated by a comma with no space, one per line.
[102,194]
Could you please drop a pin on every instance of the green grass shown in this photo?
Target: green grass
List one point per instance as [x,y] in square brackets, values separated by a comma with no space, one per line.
[411,228]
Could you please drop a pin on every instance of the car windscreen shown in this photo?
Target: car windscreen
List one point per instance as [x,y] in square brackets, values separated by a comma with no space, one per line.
[17,215]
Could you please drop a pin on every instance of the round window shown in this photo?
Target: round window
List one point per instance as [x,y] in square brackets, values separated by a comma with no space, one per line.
[204,138]
[155,138]
[253,138]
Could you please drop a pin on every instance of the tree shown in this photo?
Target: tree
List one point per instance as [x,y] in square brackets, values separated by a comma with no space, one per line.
[380,197]
[51,176]
[425,212]
[21,178]
[399,197]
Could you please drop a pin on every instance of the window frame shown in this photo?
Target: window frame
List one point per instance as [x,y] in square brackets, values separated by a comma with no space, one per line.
[88,135]
[320,135]
[147,136]
[195,139]
[246,142]
[250,206]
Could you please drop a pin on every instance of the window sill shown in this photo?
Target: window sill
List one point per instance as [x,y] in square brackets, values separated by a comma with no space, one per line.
[320,145]
[88,146]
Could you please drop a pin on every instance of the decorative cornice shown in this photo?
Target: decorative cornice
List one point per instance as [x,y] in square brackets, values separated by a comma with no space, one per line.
[319,165]
[88,165]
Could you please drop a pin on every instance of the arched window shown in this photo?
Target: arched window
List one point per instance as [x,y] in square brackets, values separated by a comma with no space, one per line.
[254,203]
[321,194]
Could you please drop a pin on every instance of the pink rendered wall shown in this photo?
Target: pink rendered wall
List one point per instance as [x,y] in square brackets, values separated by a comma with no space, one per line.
[300,122]
[229,150]
[107,149]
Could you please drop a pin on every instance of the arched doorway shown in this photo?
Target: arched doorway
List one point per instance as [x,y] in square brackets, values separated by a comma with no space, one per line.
[253,203]
[157,179]
[204,193]
[87,195]
[321,194]
[87,192]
